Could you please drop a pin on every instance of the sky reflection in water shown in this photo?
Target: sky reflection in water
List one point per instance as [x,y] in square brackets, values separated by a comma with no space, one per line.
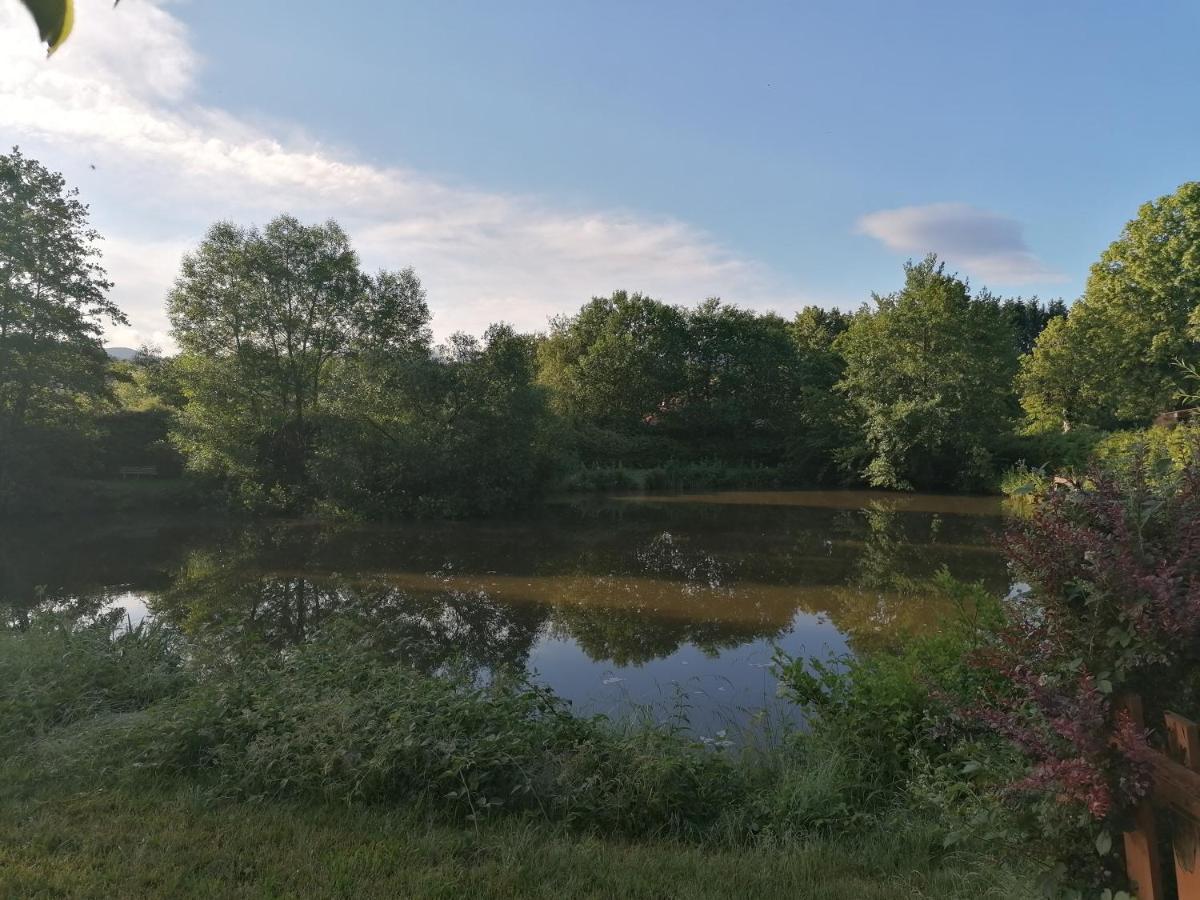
[674,601]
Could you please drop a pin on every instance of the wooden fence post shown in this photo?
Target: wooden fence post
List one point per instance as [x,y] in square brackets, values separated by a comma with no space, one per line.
[1183,742]
[1142,864]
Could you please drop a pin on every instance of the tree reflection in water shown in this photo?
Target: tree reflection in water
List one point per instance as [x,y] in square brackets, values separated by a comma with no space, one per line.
[622,584]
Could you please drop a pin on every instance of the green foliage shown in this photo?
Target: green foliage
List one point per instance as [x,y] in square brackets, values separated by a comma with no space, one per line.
[461,432]
[307,384]
[904,748]
[55,670]
[332,719]
[335,720]
[1114,360]
[1055,451]
[929,378]
[170,842]
[1159,453]
[1030,317]
[1108,607]
[743,377]
[1021,486]
[53,370]
[262,319]
[887,708]
[619,360]
[640,383]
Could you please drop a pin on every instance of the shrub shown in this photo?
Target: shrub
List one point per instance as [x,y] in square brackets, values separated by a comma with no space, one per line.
[55,670]
[1114,606]
[1052,451]
[888,704]
[332,719]
[893,719]
[1156,454]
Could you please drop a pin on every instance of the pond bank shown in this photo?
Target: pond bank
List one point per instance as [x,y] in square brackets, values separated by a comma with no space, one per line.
[130,769]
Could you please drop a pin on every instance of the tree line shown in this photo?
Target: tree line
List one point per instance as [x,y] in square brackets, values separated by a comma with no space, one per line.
[303,382]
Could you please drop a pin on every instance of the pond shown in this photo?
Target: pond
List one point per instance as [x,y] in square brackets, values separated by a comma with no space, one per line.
[671,603]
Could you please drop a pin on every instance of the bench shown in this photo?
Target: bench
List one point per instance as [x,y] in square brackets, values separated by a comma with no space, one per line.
[139,471]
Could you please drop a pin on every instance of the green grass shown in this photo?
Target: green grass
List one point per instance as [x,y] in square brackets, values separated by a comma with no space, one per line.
[136,764]
[164,841]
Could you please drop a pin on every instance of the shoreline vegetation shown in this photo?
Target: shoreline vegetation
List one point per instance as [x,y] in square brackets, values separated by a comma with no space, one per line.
[304,385]
[438,781]
[960,763]
[987,759]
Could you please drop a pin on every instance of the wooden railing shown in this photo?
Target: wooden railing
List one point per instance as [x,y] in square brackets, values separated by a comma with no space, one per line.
[1175,792]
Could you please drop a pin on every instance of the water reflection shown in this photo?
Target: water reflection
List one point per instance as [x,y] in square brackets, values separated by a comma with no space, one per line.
[606,600]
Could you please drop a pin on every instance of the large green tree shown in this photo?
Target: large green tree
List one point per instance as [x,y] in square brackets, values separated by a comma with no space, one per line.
[824,425]
[928,376]
[641,382]
[742,380]
[53,303]
[619,360]
[1115,359]
[455,432]
[263,320]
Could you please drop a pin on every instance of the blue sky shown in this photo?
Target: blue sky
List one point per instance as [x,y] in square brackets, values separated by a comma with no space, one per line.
[787,153]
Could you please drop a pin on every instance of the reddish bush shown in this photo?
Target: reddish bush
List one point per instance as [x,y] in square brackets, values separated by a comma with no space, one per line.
[1112,606]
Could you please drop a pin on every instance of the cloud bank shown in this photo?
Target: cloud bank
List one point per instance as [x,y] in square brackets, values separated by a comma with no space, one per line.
[984,244]
[119,97]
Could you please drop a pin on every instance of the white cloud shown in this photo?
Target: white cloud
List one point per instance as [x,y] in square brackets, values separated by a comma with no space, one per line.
[985,244]
[118,95]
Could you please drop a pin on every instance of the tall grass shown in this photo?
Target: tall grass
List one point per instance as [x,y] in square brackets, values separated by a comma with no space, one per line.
[334,720]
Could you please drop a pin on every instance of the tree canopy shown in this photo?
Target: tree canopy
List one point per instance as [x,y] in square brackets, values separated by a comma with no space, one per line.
[1115,359]
[928,375]
[306,383]
[261,318]
[53,303]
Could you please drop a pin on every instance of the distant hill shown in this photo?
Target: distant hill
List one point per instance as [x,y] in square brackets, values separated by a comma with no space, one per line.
[123,353]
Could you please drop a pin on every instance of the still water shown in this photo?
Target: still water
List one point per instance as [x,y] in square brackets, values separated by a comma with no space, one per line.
[666,601]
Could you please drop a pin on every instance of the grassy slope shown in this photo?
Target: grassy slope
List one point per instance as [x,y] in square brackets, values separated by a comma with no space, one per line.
[176,842]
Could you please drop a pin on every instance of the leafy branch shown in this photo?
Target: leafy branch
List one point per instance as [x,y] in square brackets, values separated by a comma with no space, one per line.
[54,19]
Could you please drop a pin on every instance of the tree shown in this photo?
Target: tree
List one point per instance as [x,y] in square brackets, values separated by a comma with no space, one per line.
[928,378]
[263,318]
[1029,318]
[639,382]
[1114,361]
[53,301]
[454,433]
[823,428]
[741,383]
[619,360]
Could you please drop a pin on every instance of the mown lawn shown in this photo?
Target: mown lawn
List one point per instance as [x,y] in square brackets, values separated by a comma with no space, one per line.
[178,842]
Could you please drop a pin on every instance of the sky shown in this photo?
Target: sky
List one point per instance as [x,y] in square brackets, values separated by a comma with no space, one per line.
[525,156]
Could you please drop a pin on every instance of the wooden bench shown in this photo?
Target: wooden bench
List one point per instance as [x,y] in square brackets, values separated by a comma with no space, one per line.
[139,471]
